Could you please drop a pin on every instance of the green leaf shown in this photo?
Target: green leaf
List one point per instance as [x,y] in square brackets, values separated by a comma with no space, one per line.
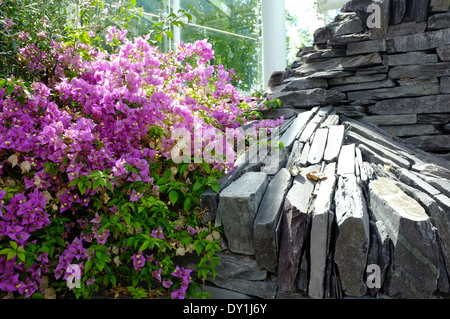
[96,184]
[167,173]
[105,258]
[169,34]
[81,187]
[5,251]
[187,203]
[198,247]
[206,168]
[187,240]
[215,187]
[74,182]
[98,253]
[109,185]
[100,264]
[59,240]
[173,196]
[183,168]
[29,262]
[11,254]
[113,280]
[197,185]
[21,256]
[13,244]
[144,245]
[10,89]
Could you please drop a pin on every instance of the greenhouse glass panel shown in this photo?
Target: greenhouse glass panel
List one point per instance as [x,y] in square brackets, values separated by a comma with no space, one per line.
[233,27]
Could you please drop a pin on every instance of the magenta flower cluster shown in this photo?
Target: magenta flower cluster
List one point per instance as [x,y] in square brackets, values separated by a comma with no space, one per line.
[95,114]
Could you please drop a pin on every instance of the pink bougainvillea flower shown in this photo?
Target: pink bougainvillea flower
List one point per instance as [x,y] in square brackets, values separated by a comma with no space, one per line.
[158,233]
[191,230]
[135,196]
[138,261]
[8,23]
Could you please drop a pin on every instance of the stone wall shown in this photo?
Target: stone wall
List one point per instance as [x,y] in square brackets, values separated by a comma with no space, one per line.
[345,197]
[396,76]
[357,204]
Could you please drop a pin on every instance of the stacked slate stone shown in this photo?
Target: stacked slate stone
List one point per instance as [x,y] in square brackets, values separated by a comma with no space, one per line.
[357,203]
[350,212]
[395,74]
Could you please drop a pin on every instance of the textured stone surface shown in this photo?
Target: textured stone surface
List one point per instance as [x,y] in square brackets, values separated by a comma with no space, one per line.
[415,181]
[390,119]
[419,41]
[294,160]
[324,54]
[384,8]
[444,53]
[378,45]
[321,221]
[439,21]
[260,289]
[340,64]
[294,230]
[346,160]
[442,184]
[365,86]
[238,205]
[357,79]
[344,23]
[414,270]
[395,92]
[445,85]
[296,128]
[439,5]
[359,7]
[318,145]
[266,238]
[239,267]
[311,127]
[433,118]
[411,130]
[309,98]
[417,10]
[371,148]
[330,74]
[398,10]
[419,105]
[434,143]
[411,58]
[306,83]
[334,143]
[352,243]
[420,70]
[418,81]
[379,253]
[405,29]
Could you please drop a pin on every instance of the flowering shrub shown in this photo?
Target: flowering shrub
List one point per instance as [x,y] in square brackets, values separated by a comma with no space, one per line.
[86,167]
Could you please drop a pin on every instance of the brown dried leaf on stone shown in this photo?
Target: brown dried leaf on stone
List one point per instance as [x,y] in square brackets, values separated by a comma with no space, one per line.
[316,176]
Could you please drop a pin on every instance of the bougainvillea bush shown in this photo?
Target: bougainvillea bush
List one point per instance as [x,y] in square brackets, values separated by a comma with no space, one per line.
[91,197]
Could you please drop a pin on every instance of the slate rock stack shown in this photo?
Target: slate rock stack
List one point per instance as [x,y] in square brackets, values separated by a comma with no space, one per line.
[395,74]
[357,203]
